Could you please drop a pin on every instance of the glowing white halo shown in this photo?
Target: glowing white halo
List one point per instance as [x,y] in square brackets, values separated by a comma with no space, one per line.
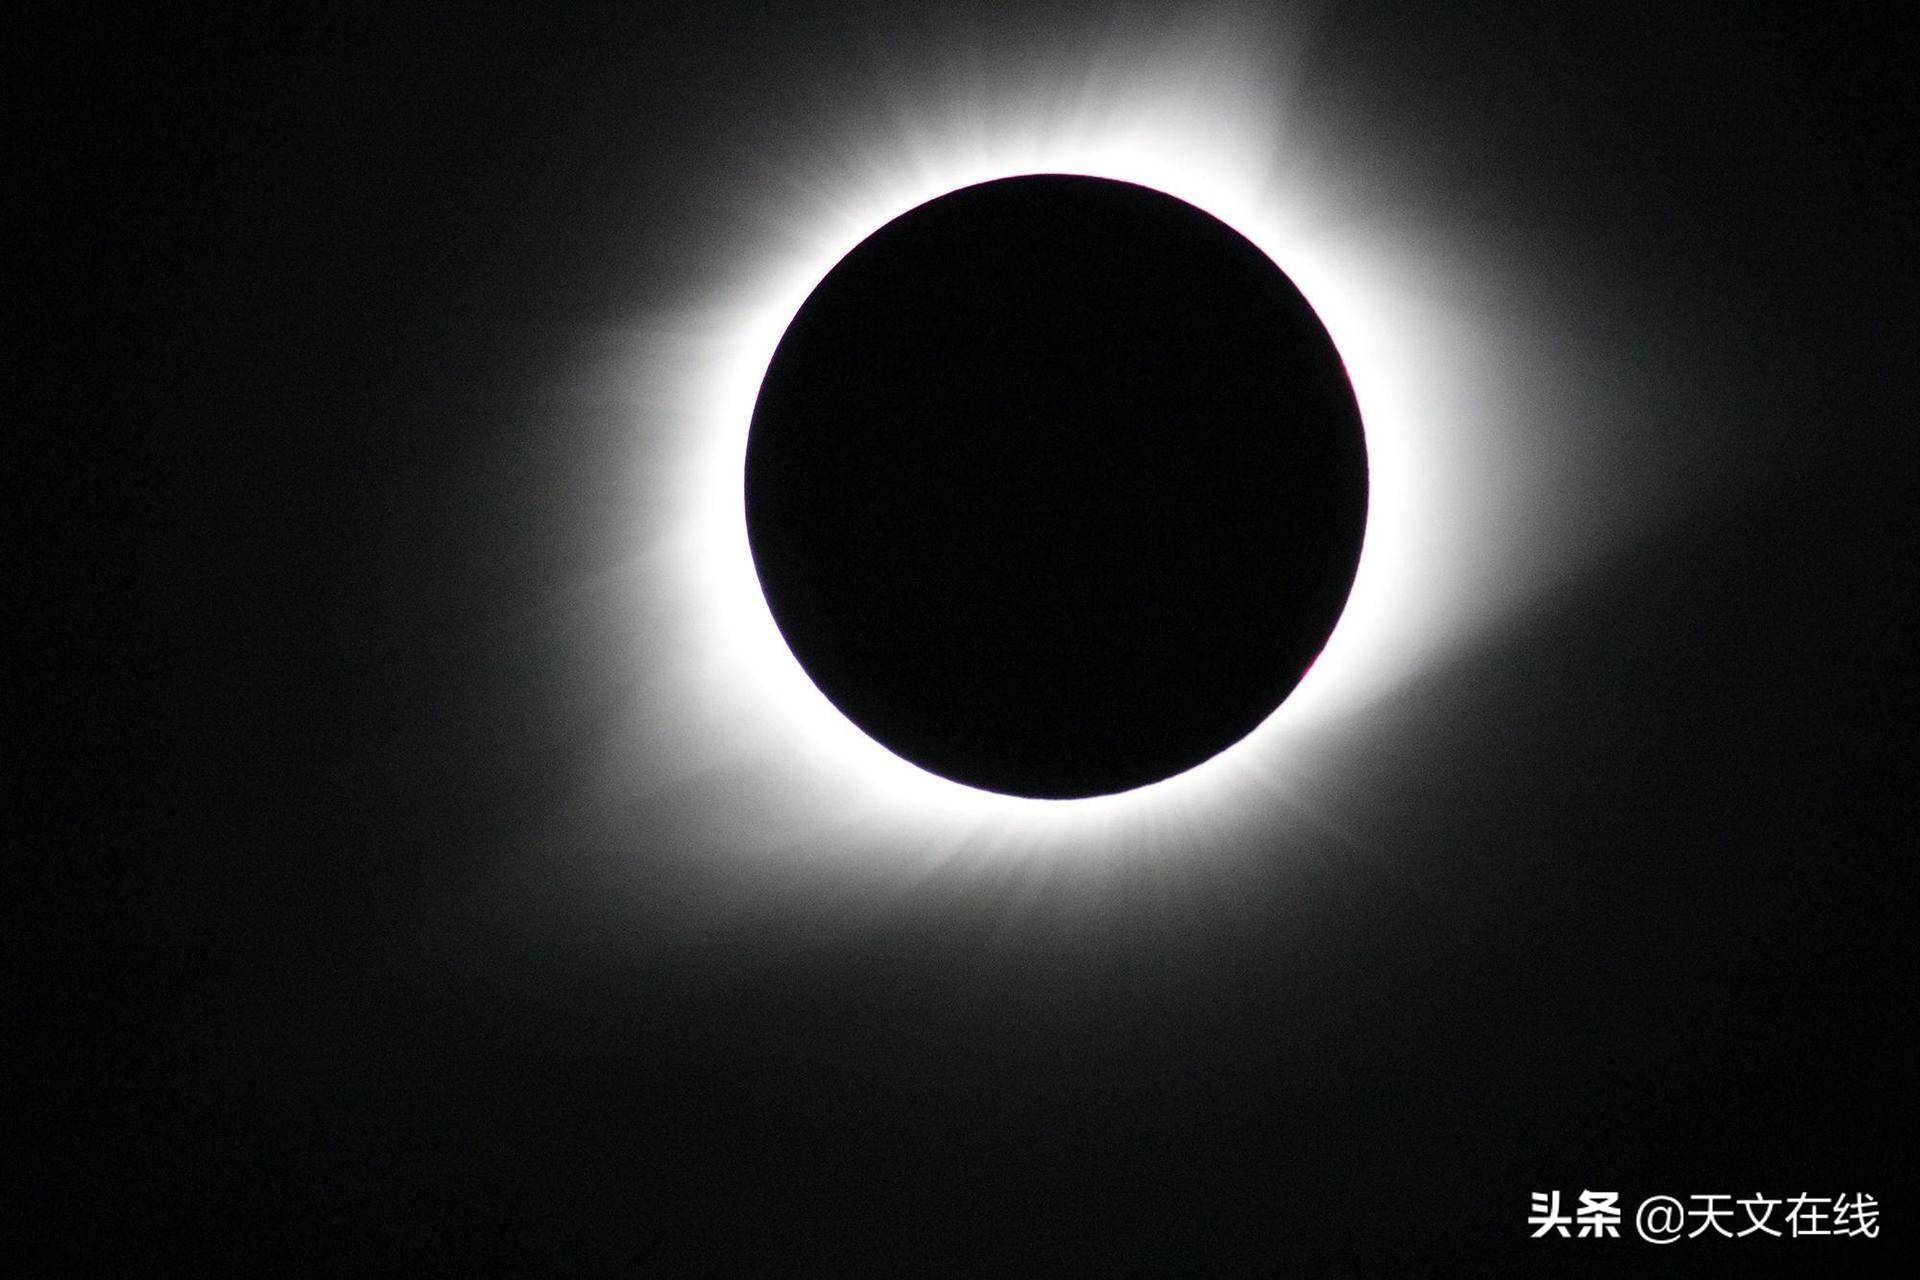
[727,715]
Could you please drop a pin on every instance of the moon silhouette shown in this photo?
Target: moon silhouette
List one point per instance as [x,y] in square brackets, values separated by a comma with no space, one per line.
[1056,486]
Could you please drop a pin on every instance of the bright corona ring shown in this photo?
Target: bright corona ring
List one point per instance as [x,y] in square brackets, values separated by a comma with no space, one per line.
[1454,524]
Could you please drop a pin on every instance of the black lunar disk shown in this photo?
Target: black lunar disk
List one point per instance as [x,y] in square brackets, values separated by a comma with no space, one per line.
[1056,486]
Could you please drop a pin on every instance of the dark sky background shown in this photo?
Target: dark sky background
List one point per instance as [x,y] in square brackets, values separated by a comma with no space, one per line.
[302,977]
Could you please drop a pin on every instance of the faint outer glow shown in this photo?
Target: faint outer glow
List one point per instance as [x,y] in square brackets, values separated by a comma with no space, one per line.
[726,720]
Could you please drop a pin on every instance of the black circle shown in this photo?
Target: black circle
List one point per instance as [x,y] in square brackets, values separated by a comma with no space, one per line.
[1056,486]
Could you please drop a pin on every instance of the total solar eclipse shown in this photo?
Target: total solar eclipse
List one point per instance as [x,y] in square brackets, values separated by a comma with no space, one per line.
[1056,486]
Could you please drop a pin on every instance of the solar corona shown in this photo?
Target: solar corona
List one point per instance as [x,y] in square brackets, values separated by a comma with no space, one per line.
[1066,462]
